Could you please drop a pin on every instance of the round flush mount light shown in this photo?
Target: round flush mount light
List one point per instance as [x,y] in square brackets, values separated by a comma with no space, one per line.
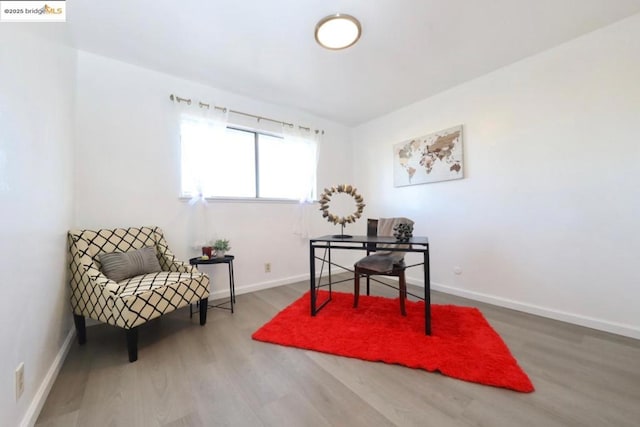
[338,31]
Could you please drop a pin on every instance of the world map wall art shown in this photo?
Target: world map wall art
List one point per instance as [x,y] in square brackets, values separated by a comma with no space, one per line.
[430,158]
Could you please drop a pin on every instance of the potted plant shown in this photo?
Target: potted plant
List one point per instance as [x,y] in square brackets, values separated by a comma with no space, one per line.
[221,246]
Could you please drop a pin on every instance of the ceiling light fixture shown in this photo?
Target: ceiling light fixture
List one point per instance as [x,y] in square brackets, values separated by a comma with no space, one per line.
[338,31]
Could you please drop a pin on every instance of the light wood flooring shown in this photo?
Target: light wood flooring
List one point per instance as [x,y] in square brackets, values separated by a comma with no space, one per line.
[216,375]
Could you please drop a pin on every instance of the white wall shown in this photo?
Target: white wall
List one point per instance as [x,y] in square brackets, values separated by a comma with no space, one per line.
[128,172]
[37,81]
[546,219]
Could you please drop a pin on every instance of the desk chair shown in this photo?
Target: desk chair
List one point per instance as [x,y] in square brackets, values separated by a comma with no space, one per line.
[383,263]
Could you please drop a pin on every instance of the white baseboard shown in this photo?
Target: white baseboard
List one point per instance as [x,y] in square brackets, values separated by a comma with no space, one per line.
[41,395]
[576,319]
[224,293]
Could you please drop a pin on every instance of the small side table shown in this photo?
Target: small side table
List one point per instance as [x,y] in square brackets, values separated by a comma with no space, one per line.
[227,259]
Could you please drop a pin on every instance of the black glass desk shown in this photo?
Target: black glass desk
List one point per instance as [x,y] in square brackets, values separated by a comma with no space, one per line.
[365,243]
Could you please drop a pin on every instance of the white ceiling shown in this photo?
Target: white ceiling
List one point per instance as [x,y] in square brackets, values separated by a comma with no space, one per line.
[409,49]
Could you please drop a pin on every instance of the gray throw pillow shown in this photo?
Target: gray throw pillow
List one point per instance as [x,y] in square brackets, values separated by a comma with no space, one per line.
[118,266]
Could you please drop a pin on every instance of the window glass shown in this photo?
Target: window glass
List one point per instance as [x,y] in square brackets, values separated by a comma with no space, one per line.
[230,163]
[284,168]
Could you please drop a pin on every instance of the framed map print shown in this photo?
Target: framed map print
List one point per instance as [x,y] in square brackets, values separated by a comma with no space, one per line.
[430,158]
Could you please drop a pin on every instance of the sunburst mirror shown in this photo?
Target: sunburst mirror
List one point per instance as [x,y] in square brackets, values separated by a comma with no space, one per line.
[341,205]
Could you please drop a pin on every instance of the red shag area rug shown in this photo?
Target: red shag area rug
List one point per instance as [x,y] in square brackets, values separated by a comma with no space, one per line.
[462,344]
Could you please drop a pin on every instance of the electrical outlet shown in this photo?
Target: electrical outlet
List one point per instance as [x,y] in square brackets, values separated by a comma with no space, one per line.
[19,380]
[267,267]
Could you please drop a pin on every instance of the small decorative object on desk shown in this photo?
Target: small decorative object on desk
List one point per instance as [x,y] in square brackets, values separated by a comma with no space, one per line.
[403,232]
[221,246]
[207,252]
[357,203]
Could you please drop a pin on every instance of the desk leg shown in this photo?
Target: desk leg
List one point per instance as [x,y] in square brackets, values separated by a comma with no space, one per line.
[330,267]
[231,286]
[233,281]
[427,294]
[312,277]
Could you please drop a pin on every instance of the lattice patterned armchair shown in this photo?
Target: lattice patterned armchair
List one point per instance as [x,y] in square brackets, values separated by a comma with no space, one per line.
[128,302]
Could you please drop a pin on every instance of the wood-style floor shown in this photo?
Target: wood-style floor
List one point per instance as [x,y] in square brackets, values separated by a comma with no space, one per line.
[216,375]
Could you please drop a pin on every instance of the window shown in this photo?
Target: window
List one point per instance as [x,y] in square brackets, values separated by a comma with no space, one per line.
[237,163]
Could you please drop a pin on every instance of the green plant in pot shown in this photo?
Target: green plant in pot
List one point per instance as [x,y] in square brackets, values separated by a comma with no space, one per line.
[221,246]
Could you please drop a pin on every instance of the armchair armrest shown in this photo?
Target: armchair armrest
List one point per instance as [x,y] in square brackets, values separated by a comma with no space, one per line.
[183,267]
[168,260]
[85,271]
[107,284]
[98,279]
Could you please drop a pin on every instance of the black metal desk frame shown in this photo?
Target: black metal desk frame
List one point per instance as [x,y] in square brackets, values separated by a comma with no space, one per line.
[227,259]
[364,243]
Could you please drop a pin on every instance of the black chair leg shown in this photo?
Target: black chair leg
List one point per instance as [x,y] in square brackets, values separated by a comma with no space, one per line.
[132,344]
[356,288]
[81,329]
[204,305]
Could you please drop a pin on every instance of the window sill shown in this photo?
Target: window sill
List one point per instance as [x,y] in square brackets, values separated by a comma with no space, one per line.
[246,200]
